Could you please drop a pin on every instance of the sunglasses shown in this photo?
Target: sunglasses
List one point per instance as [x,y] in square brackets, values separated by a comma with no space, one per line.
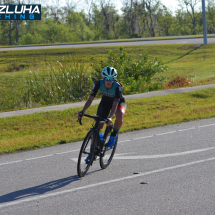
[109,79]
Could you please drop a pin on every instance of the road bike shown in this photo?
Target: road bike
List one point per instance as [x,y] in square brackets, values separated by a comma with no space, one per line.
[92,145]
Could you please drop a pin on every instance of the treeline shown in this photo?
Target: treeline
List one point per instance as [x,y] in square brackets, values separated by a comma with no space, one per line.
[99,20]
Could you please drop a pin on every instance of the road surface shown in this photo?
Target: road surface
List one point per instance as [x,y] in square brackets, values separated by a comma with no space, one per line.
[149,42]
[175,165]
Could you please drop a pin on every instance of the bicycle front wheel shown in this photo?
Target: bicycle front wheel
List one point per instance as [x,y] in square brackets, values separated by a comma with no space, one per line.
[86,150]
[107,155]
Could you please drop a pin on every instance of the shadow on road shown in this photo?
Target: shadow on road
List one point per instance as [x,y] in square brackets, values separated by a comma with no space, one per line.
[38,190]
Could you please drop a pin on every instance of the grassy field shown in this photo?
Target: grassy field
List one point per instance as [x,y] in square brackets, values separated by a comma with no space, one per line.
[194,62]
[58,127]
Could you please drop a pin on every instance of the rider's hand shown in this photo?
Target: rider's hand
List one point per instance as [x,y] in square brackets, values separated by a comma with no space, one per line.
[80,114]
[109,122]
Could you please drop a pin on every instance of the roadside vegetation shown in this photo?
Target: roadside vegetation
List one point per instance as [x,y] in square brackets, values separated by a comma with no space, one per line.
[58,127]
[48,84]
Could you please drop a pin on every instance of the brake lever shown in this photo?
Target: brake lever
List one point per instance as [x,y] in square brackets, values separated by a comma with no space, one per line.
[79,120]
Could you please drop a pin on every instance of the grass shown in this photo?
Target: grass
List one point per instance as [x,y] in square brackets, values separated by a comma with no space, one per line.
[192,61]
[56,127]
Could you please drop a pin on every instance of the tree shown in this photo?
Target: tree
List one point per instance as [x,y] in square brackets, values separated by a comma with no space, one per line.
[190,7]
[133,13]
[89,9]
[152,7]
[210,16]
[105,20]
[109,15]
[165,21]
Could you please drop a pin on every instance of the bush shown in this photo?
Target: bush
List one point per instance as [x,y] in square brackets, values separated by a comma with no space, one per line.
[31,39]
[66,83]
[136,75]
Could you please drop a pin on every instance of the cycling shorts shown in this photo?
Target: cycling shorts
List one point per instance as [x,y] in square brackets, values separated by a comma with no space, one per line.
[104,109]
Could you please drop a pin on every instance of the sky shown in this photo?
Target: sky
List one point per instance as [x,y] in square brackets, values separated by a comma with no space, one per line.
[170,4]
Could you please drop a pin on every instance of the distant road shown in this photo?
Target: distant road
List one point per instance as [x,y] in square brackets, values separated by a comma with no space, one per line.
[149,42]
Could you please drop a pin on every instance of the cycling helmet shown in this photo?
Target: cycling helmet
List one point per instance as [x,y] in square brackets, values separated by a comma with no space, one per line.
[109,72]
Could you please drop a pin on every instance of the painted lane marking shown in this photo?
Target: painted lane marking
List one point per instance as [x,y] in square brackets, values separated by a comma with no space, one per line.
[28,159]
[134,157]
[171,132]
[163,155]
[83,161]
[103,183]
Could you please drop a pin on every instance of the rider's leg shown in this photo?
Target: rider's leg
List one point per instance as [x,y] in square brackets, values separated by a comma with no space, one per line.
[117,125]
[119,118]
[119,121]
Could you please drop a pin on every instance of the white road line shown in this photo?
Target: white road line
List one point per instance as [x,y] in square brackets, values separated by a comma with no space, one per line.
[115,155]
[162,155]
[135,157]
[171,132]
[102,183]
[28,159]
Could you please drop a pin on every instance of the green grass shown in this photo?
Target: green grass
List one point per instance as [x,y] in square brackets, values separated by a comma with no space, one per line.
[191,61]
[55,127]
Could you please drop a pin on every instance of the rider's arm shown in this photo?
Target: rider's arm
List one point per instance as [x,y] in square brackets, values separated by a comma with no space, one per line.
[88,103]
[113,109]
[91,97]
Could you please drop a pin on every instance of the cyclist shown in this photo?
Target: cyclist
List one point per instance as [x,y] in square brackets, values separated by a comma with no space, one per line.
[112,102]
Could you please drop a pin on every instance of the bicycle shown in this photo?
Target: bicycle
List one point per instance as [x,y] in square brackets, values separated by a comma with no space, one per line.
[92,145]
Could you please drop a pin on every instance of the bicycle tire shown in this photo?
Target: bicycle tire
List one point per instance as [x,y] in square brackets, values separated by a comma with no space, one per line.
[108,153]
[82,166]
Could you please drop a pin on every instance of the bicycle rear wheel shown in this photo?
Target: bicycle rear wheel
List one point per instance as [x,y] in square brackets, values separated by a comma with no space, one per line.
[108,152]
[86,149]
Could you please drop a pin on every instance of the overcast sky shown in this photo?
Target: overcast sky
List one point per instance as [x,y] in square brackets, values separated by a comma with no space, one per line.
[170,4]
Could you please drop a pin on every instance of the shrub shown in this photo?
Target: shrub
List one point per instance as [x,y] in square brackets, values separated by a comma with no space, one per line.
[135,74]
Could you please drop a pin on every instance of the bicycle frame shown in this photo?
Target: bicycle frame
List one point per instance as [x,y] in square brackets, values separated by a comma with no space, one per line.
[95,148]
[99,144]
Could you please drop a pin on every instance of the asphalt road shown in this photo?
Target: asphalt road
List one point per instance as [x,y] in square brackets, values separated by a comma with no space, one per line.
[175,162]
[152,42]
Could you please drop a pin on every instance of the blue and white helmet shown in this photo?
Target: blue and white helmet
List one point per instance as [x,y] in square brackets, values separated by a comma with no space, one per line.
[109,72]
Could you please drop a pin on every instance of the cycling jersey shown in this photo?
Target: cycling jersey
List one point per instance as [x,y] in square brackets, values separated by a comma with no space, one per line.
[108,95]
